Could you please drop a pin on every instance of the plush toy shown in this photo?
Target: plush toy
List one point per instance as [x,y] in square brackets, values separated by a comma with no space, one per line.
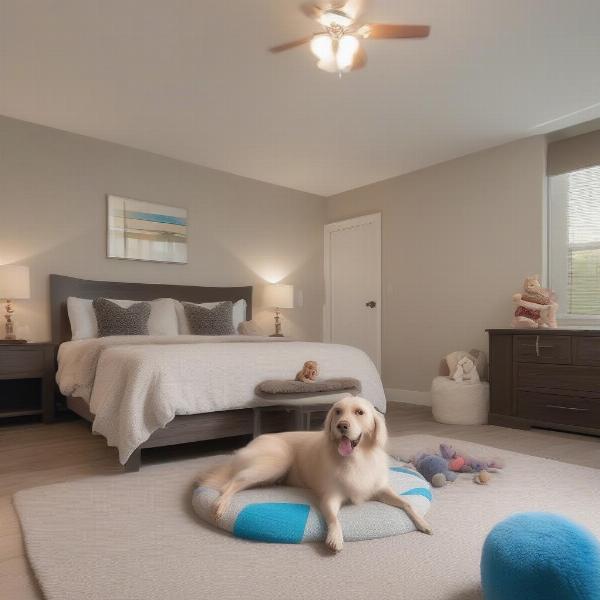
[434,468]
[482,478]
[463,463]
[535,306]
[466,371]
[477,357]
[309,372]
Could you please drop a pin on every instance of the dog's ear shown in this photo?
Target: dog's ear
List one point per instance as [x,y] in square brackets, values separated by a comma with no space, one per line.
[380,433]
[327,423]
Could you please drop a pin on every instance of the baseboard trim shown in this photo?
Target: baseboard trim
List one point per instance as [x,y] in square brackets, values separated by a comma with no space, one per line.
[408,396]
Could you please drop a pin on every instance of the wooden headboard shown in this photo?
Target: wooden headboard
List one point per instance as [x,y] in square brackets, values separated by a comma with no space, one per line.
[62,287]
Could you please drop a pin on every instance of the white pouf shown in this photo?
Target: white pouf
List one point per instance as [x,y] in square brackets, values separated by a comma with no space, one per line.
[458,403]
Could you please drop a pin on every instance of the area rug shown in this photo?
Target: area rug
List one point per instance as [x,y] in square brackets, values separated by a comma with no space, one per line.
[134,536]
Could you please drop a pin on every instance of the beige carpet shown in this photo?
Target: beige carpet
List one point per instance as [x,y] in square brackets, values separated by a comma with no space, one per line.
[133,536]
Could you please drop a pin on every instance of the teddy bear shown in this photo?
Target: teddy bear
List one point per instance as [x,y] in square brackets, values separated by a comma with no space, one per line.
[535,306]
[309,372]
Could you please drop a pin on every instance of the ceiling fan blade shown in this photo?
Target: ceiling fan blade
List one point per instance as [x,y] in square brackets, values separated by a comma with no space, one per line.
[312,11]
[360,59]
[353,8]
[289,45]
[383,31]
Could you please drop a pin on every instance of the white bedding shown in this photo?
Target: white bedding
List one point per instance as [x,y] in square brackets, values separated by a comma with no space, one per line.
[137,384]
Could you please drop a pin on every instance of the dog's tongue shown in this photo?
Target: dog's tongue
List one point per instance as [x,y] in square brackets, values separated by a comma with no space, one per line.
[345,447]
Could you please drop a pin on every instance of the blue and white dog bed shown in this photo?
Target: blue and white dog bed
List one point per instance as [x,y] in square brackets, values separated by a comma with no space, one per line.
[288,515]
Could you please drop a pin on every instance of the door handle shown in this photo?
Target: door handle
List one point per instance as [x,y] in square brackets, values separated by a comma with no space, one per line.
[371,304]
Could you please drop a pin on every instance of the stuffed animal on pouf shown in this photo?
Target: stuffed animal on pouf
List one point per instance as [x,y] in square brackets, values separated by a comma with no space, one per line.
[466,371]
[535,306]
[434,468]
[477,357]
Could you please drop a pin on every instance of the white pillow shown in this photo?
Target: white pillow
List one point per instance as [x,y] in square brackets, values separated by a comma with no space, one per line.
[239,314]
[162,321]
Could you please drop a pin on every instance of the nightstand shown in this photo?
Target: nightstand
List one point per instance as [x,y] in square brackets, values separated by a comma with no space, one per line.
[27,380]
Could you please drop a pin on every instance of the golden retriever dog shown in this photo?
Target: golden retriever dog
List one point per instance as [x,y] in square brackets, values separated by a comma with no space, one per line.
[345,462]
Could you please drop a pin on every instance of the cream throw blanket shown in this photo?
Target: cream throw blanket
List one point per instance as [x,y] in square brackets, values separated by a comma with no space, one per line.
[137,384]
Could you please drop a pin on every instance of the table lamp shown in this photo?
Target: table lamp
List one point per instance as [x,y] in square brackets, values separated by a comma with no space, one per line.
[14,285]
[277,296]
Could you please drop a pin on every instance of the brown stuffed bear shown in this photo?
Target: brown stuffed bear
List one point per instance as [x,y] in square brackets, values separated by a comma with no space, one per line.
[309,372]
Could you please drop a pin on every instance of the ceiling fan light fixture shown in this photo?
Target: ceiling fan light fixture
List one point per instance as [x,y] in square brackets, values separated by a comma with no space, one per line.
[335,18]
[337,48]
[329,66]
[321,46]
[347,48]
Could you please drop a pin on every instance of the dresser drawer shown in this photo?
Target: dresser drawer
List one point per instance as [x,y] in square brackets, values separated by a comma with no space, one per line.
[561,410]
[586,350]
[22,361]
[558,377]
[553,349]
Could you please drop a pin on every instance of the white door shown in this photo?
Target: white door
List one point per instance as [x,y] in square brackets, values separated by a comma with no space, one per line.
[353,284]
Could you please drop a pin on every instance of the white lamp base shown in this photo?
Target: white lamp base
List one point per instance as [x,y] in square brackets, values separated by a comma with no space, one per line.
[10,337]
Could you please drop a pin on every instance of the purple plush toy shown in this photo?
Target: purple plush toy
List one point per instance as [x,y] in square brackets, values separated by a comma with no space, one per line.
[463,463]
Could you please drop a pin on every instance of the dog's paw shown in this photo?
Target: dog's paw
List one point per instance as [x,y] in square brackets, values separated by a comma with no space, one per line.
[424,527]
[218,510]
[335,539]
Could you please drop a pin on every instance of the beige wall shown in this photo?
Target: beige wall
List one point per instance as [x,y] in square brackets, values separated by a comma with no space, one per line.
[53,218]
[571,154]
[458,239]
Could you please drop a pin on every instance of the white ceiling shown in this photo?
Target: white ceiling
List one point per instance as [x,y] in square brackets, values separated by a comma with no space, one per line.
[193,80]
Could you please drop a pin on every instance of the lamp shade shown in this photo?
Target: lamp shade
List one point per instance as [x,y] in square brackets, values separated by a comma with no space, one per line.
[279,295]
[14,282]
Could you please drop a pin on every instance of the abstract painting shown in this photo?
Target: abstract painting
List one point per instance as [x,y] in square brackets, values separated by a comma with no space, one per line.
[146,231]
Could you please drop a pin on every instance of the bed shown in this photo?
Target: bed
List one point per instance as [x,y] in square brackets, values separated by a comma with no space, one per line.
[149,391]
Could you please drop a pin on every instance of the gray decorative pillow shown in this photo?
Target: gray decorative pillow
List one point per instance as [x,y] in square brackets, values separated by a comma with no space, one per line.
[115,320]
[210,321]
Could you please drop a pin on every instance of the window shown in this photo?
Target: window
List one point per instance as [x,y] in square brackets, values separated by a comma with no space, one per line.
[574,243]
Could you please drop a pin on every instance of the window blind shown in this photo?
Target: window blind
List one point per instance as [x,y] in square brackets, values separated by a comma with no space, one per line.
[583,228]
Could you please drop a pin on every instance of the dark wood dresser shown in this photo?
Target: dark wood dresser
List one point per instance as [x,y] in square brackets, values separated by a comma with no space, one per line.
[545,378]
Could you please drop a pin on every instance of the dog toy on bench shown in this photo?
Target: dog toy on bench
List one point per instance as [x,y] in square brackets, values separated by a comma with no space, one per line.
[309,373]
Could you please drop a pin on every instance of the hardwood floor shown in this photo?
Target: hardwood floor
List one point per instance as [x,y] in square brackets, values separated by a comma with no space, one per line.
[33,454]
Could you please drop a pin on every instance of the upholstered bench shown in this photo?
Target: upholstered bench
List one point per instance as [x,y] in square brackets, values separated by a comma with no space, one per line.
[300,398]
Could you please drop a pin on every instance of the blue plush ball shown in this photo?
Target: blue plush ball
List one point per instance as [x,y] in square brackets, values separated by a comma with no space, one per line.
[540,556]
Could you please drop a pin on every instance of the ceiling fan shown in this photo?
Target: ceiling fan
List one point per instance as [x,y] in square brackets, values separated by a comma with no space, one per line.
[337,48]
